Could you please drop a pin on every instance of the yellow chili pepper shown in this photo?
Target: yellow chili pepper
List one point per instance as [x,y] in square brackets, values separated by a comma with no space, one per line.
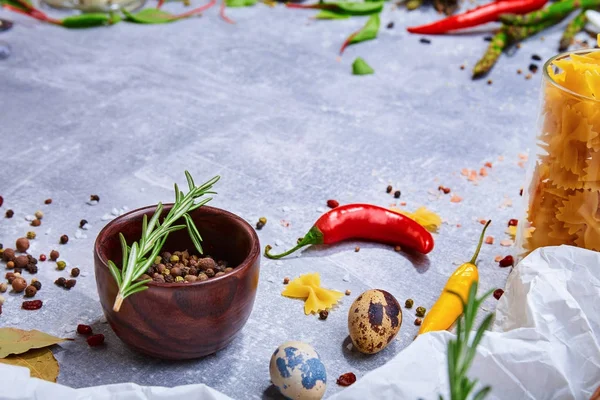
[448,306]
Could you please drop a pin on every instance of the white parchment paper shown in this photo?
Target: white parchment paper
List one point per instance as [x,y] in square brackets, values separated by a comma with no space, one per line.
[544,345]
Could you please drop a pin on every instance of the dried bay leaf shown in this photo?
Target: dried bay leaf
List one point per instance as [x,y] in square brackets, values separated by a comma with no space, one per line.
[17,341]
[41,363]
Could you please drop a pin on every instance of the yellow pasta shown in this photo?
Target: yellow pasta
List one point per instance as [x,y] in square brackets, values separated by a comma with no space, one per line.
[308,287]
[424,217]
[564,192]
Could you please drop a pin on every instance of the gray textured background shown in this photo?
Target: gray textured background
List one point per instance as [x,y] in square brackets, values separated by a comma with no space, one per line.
[122,111]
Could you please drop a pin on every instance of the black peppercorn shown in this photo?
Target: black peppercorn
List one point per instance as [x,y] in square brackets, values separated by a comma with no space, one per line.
[389,189]
[64,239]
[94,197]
[75,272]
[9,213]
[60,282]
[323,314]
[169,278]
[82,223]
[397,194]
[37,285]
[70,283]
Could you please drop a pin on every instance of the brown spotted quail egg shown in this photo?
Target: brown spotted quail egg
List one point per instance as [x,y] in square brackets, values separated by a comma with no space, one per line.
[374,320]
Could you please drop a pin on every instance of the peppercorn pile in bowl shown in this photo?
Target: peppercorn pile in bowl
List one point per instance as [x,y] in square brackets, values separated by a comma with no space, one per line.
[180,266]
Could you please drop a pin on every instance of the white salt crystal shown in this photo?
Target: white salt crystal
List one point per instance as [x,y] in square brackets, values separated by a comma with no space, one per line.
[115,212]
[107,217]
[346,278]
[29,218]
[278,242]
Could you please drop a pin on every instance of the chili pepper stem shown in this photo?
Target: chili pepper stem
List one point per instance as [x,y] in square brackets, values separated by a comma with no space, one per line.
[222,13]
[474,259]
[314,236]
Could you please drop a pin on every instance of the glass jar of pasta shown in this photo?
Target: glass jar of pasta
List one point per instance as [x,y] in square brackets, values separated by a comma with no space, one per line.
[562,196]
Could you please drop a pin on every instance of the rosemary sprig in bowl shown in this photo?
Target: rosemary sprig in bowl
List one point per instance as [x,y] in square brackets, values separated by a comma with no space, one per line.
[462,350]
[138,257]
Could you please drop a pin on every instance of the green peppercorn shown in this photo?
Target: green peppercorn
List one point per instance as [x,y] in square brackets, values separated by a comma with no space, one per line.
[179,279]
[174,258]
[409,303]
[166,272]
[60,265]
[30,235]
[157,260]
[263,220]
[421,311]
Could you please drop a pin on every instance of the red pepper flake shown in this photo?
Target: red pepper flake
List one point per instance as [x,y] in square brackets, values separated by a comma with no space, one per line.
[402,203]
[498,293]
[32,305]
[488,164]
[507,261]
[444,189]
[458,225]
[346,379]
[472,175]
[332,203]
[521,164]
[498,258]
[483,172]
[483,221]
[489,240]
[464,172]
[513,222]
[455,199]
[84,329]
[284,223]
[95,340]
[506,243]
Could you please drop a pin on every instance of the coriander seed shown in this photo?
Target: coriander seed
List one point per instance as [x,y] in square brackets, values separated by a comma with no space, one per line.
[10,265]
[421,311]
[31,235]
[348,292]
[39,215]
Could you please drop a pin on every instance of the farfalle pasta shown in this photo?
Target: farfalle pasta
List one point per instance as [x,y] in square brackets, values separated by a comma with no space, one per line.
[308,287]
[563,197]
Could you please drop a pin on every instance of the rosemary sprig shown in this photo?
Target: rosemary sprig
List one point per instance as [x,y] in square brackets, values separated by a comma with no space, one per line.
[140,256]
[462,350]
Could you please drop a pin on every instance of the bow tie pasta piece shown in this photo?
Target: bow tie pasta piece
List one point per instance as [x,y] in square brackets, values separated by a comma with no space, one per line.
[308,287]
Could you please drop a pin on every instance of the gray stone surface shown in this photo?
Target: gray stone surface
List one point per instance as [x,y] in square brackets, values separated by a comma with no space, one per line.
[122,111]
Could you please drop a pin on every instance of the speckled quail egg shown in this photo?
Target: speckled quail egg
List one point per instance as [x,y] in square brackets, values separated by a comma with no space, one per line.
[297,371]
[374,320]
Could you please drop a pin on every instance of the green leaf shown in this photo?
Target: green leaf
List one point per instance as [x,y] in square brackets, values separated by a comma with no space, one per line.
[360,67]
[480,395]
[367,32]
[87,20]
[150,16]
[139,289]
[353,8]
[193,232]
[124,249]
[18,341]
[190,181]
[155,216]
[137,285]
[240,3]
[115,272]
[327,14]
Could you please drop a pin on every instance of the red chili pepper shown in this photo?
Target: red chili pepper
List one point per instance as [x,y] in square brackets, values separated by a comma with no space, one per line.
[478,16]
[368,222]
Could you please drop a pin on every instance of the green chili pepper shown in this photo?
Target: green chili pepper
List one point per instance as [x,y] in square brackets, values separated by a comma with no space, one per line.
[240,3]
[571,30]
[326,14]
[150,16]
[491,55]
[343,7]
[86,20]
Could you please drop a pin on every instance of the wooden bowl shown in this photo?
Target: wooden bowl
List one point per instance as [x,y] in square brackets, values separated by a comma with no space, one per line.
[183,320]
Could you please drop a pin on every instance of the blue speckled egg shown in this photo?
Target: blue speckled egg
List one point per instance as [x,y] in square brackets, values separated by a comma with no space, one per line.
[297,371]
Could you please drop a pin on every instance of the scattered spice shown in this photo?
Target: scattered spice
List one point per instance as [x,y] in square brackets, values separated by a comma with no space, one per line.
[390,25]
[348,292]
[506,243]
[489,240]
[60,265]
[455,199]
[488,38]
[32,305]
[444,189]
[332,203]
[10,265]
[22,244]
[36,284]
[462,67]
[9,213]
[42,257]
[498,293]
[356,249]
[94,197]
[286,280]
[60,282]
[498,258]
[259,225]
[31,235]
[30,291]
[483,172]
[507,261]
[421,311]
[54,255]
[397,194]
[323,314]
[36,222]
[21,261]
[535,57]
[488,165]
[346,379]
[19,284]
[489,82]
[48,201]
[70,283]
[75,272]
[3,287]
[397,248]
[1,201]
[84,329]
[64,239]
[409,303]
[389,189]
[425,41]
[82,223]
[95,340]
[528,76]
[533,68]
[513,222]
[418,321]
[38,214]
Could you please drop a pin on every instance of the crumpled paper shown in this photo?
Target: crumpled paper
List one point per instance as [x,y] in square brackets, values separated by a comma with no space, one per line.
[544,345]
[593,20]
